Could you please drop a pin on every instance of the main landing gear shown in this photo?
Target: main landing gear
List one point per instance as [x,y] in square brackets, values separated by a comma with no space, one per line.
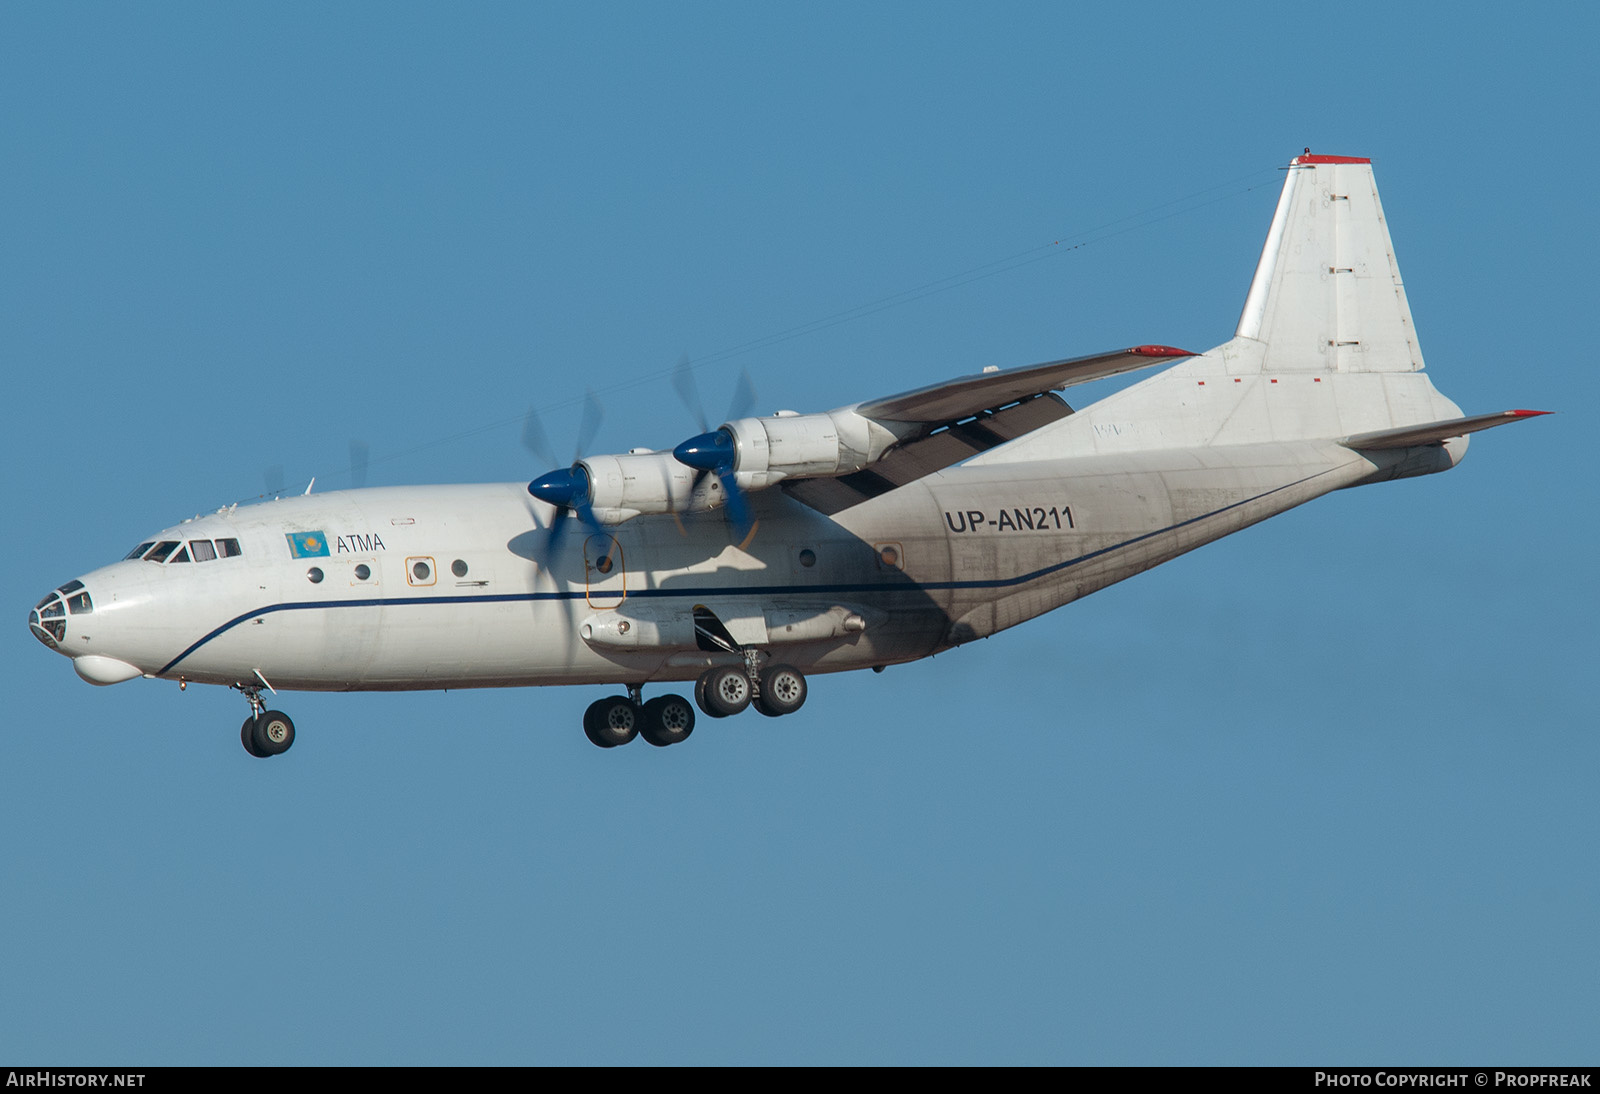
[774,691]
[720,693]
[265,733]
[618,719]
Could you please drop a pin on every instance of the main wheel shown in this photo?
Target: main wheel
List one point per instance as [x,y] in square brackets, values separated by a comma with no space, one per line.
[612,721]
[700,697]
[247,738]
[783,691]
[668,719]
[726,692]
[273,733]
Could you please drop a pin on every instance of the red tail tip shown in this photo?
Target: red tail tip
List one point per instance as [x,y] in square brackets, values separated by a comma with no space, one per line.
[1331,159]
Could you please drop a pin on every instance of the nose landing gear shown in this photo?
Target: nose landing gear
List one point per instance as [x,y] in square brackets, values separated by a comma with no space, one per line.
[265,733]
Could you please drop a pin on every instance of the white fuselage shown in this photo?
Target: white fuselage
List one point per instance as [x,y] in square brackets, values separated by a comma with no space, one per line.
[639,576]
[457,586]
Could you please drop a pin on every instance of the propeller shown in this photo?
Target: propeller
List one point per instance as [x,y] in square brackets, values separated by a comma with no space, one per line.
[360,456]
[713,451]
[566,488]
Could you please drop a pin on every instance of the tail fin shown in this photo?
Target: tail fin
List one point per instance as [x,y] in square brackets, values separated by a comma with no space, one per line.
[1327,294]
[1324,349]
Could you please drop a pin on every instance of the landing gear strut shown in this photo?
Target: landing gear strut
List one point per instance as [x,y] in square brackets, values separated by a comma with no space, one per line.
[265,733]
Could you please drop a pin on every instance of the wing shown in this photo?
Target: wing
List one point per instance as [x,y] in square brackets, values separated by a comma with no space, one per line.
[965,416]
[961,398]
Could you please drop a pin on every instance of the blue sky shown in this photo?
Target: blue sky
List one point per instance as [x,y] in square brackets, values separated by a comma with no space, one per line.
[1322,792]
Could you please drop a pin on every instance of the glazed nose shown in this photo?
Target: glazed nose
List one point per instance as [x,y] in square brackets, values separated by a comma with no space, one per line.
[48,619]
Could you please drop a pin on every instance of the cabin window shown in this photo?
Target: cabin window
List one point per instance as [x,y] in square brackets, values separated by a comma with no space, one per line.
[459,568]
[808,558]
[419,570]
[314,575]
[363,572]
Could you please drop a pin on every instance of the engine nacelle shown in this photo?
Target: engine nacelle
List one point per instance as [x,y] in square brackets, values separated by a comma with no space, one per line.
[623,487]
[793,446]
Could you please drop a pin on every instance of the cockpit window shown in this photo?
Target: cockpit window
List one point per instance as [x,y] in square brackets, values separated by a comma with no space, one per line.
[170,551]
[70,587]
[80,604]
[138,552]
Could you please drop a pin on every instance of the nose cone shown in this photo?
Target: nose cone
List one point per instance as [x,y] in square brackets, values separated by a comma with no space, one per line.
[59,620]
[706,452]
[564,488]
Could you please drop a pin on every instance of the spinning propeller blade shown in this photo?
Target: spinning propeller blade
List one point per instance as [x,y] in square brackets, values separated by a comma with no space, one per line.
[360,455]
[712,451]
[565,488]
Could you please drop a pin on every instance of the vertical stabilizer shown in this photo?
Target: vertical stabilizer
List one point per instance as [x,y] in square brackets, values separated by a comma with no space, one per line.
[1327,294]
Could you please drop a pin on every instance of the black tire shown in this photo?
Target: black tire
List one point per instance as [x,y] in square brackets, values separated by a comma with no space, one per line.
[668,720]
[612,721]
[783,691]
[700,696]
[727,692]
[247,737]
[273,734]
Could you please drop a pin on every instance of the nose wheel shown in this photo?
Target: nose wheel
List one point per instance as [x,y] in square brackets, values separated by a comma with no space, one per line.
[266,733]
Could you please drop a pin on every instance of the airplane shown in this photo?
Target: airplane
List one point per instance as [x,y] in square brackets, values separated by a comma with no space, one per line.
[771,549]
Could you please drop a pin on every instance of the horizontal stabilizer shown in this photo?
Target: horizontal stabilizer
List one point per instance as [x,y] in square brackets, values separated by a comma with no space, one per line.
[954,400]
[1411,436]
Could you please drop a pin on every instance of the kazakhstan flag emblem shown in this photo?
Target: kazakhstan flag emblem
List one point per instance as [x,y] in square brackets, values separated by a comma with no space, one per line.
[308,545]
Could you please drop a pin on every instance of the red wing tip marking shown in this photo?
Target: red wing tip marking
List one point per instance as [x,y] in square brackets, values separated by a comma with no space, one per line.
[1160,351]
[1330,159]
[1529,413]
